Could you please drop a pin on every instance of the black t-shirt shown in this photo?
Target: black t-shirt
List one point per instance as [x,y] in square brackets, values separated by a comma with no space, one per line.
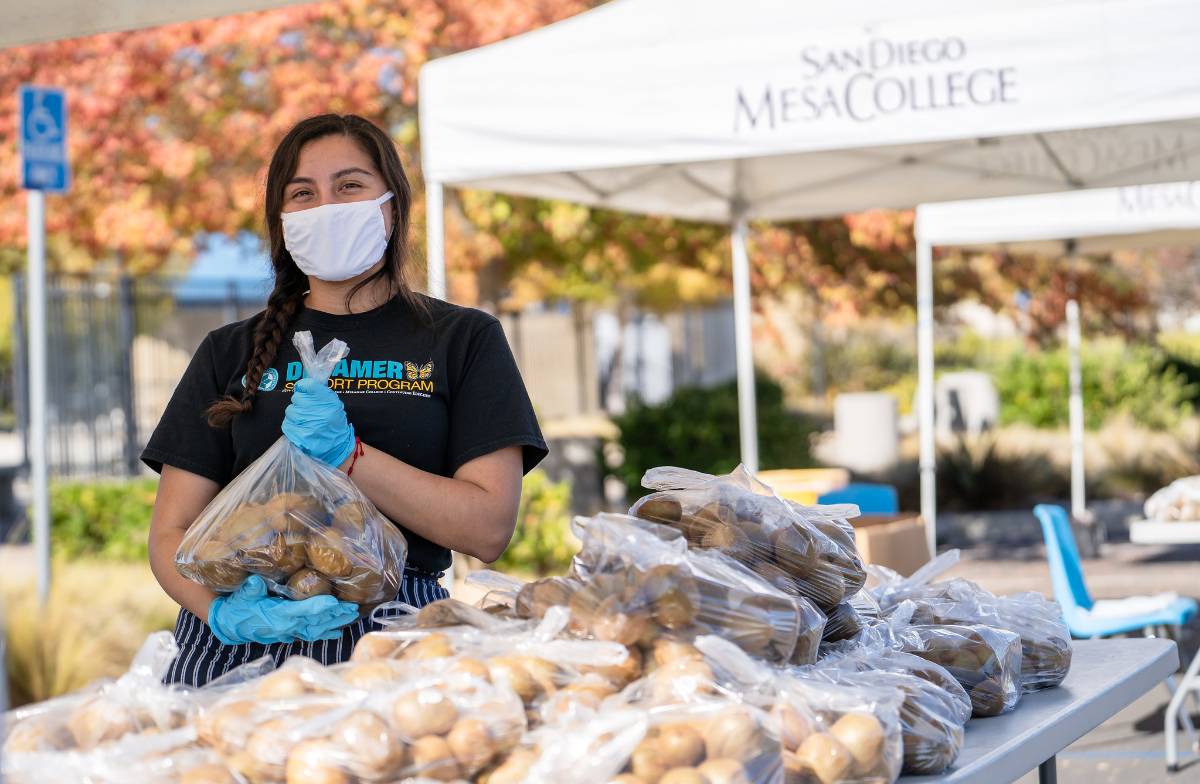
[435,391]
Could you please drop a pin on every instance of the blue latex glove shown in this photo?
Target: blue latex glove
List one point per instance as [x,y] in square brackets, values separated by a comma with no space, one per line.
[250,615]
[315,421]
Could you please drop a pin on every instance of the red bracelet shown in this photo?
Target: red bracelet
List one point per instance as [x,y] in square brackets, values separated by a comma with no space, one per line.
[358,451]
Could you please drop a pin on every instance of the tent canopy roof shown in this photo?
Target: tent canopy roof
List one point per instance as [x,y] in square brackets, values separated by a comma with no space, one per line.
[1093,221]
[707,108]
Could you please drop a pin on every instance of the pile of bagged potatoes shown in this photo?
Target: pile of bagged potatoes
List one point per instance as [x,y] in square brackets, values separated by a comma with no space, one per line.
[717,634]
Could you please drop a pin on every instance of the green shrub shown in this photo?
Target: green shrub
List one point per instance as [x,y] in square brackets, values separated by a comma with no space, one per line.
[698,428]
[1117,379]
[105,519]
[542,542]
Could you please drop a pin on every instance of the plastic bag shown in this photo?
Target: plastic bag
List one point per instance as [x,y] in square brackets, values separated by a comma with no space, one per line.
[829,732]
[984,659]
[303,526]
[105,710]
[710,742]
[112,723]
[1179,500]
[634,581]
[444,726]
[934,710]
[1045,639]
[807,551]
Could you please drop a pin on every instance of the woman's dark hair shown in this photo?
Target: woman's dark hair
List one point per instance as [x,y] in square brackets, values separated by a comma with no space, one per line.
[290,283]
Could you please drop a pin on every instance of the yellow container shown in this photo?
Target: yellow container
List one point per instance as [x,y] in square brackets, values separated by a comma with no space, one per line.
[805,485]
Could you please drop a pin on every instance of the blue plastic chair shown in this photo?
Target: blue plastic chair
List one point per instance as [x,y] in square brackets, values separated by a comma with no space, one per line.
[871,499]
[1066,572]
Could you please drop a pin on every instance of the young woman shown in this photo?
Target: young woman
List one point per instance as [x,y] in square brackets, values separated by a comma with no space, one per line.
[429,415]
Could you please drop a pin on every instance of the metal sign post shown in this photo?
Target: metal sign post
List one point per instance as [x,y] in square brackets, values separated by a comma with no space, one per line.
[43,168]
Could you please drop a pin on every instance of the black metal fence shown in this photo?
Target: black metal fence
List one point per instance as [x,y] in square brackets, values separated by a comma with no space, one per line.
[101,402]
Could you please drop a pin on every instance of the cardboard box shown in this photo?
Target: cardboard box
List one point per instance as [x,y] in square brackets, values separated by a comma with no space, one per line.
[894,541]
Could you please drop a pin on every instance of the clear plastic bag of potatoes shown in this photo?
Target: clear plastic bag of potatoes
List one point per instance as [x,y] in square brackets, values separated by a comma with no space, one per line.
[1178,501]
[306,528]
[1045,639]
[634,581]
[105,710]
[807,551]
[985,660]
[840,733]
[934,707]
[713,741]
[442,727]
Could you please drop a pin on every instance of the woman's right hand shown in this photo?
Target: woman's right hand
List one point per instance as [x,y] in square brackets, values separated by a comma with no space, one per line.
[249,614]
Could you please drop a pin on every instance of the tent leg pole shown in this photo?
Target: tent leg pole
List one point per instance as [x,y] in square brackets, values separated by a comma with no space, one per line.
[743,340]
[1078,489]
[925,411]
[435,241]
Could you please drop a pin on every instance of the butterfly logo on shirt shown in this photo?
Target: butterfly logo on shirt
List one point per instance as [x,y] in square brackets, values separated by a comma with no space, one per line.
[414,372]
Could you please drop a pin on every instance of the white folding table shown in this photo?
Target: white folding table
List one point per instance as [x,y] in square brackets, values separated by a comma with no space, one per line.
[1172,532]
[1105,676]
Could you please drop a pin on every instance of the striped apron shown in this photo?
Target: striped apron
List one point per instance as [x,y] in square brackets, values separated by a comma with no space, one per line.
[203,657]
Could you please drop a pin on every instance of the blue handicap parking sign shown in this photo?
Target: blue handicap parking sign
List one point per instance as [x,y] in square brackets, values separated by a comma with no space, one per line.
[44,139]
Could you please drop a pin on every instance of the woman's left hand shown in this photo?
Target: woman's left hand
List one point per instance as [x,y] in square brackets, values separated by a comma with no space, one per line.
[315,422]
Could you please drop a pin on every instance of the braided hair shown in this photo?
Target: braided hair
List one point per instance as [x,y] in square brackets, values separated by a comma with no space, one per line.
[287,295]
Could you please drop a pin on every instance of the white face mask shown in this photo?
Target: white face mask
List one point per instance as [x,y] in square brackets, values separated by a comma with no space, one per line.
[336,241]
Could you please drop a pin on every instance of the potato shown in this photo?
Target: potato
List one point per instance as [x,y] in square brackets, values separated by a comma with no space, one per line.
[374,645]
[266,752]
[423,712]
[646,761]
[432,758]
[472,744]
[207,773]
[214,564]
[281,685]
[794,726]
[734,734]
[794,550]
[669,649]
[535,598]
[724,771]
[372,750]
[863,736]
[434,646]
[364,586]
[827,758]
[510,670]
[671,594]
[612,622]
[470,668]
[99,720]
[660,509]
[327,553]
[624,673]
[681,679]
[315,762]
[514,769]
[38,733]
[351,519]
[307,583]
[369,675]
[226,726]
[680,746]
[683,776]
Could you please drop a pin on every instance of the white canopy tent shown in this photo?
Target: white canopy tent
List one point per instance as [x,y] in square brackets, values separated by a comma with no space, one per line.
[719,111]
[1091,221]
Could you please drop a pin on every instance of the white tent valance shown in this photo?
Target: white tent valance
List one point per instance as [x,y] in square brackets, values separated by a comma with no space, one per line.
[1097,220]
